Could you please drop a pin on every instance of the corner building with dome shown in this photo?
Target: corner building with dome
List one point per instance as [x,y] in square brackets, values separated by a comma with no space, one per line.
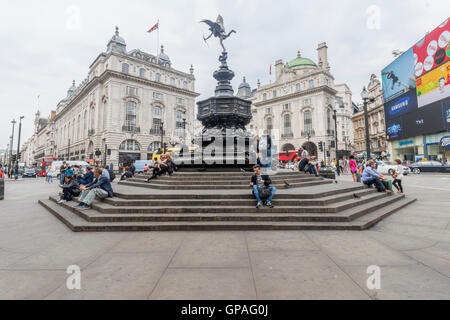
[298,107]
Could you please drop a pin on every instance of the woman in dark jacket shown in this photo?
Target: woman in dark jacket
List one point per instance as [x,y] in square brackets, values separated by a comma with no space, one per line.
[71,188]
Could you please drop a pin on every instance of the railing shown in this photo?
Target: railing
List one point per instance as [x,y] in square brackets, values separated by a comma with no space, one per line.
[131,129]
[330,132]
[157,131]
[287,135]
[310,133]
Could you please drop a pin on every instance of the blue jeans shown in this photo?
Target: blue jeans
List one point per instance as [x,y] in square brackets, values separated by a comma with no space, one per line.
[377,181]
[256,193]
[61,178]
[49,178]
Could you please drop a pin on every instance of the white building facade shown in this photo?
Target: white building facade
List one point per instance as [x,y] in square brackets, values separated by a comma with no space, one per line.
[298,108]
[129,103]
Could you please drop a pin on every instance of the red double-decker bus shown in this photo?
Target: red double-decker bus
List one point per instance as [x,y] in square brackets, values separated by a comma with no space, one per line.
[43,165]
[285,157]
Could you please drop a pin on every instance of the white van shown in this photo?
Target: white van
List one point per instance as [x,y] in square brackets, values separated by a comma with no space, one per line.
[56,165]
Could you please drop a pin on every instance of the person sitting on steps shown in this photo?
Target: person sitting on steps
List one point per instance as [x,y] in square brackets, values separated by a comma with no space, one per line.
[100,188]
[258,182]
[372,176]
[161,168]
[70,187]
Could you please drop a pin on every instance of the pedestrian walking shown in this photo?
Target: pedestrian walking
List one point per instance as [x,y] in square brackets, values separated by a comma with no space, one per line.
[398,176]
[353,167]
[49,175]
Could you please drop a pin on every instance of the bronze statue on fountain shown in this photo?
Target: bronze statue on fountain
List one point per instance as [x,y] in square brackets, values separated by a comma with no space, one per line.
[224,140]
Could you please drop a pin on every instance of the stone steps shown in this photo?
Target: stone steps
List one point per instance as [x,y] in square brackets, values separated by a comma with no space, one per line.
[375,214]
[214,185]
[234,181]
[237,201]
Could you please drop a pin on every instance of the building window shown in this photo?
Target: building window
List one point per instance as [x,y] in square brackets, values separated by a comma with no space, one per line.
[179,124]
[287,106]
[132,91]
[154,146]
[298,87]
[130,119]
[311,83]
[130,145]
[264,96]
[158,77]
[157,96]
[125,68]
[274,93]
[287,124]
[269,123]
[180,101]
[307,121]
[142,73]
[268,110]
[157,111]
[185,86]
[307,102]
[172,81]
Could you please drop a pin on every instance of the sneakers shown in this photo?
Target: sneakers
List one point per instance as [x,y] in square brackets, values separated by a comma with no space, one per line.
[269,204]
[84,207]
[61,201]
[79,205]
[259,205]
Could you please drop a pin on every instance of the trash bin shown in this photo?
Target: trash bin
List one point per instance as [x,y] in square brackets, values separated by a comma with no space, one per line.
[2,189]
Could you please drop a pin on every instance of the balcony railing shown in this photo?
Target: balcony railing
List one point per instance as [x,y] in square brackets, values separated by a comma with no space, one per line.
[330,132]
[287,135]
[310,132]
[131,129]
[157,131]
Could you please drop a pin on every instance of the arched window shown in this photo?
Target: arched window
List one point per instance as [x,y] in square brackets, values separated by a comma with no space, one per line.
[264,96]
[130,118]
[79,127]
[130,145]
[92,118]
[269,123]
[154,146]
[287,123]
[85,128]
[307,121]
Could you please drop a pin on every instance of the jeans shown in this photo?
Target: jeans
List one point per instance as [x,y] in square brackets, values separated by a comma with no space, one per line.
[377,181]
[49,178]
[256,193]
[88,196]
[397,183]
[312,169]
[61,178]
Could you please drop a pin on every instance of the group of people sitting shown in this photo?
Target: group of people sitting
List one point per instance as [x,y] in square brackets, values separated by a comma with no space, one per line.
[165,166]
[93,184]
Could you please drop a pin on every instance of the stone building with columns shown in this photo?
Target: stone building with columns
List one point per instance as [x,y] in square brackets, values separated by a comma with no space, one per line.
[298,107]
[129,103]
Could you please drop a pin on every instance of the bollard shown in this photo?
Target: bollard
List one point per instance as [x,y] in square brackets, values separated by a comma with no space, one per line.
[2,189]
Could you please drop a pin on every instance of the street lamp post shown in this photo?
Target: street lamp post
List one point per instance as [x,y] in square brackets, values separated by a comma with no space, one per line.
[161,128]
[365,97]
[184,130]
[18,144]
[11,146]
[335,133]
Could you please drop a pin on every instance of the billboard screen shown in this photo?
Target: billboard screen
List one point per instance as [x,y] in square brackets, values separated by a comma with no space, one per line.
[424,121]
[396,107]
[432,65]
[398,77]
[394,129]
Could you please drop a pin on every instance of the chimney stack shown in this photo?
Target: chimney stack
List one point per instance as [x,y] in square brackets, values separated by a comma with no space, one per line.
[278,68]
[322,54]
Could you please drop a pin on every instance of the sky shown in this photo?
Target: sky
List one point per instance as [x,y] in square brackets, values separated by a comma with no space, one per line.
[44,45]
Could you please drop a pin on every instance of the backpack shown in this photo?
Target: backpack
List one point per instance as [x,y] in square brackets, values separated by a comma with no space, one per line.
[264,193]
[112,175]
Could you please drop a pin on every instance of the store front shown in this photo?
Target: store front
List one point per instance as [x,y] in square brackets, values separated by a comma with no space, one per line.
[437,146]
[407,149]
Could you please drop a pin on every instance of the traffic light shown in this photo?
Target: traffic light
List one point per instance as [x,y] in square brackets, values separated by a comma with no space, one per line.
[320,146]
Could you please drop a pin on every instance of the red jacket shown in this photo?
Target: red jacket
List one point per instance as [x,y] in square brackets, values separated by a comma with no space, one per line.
[2,175]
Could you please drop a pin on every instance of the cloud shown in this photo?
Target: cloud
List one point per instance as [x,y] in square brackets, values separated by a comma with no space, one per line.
[45,45]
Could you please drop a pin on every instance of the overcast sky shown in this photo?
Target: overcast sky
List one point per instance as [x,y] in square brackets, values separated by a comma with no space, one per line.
[46,44]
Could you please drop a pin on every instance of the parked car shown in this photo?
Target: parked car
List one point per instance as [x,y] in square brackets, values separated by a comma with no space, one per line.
[385,167]
[29,173]
[429,166]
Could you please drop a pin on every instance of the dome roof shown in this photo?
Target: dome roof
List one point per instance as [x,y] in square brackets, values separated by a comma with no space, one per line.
[244,84]
[118,39]
[162,56]
[300,61]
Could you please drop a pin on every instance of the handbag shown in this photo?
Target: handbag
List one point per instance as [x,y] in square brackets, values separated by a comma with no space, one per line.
[264,193]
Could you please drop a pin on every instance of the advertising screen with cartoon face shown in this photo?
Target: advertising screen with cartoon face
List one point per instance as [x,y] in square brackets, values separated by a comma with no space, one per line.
[432,65]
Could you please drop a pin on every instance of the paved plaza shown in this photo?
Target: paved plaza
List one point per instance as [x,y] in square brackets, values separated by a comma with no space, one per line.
[411,248]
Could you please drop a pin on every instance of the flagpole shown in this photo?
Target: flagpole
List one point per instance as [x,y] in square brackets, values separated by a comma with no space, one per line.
[157,43]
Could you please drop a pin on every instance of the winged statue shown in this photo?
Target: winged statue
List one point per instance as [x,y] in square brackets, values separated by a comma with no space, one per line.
[217,30]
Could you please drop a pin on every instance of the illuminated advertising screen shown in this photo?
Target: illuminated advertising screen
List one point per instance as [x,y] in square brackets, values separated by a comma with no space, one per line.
[394,129]
[424,121]
[446,111]
[401,105]
[432,65]
[398,77]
